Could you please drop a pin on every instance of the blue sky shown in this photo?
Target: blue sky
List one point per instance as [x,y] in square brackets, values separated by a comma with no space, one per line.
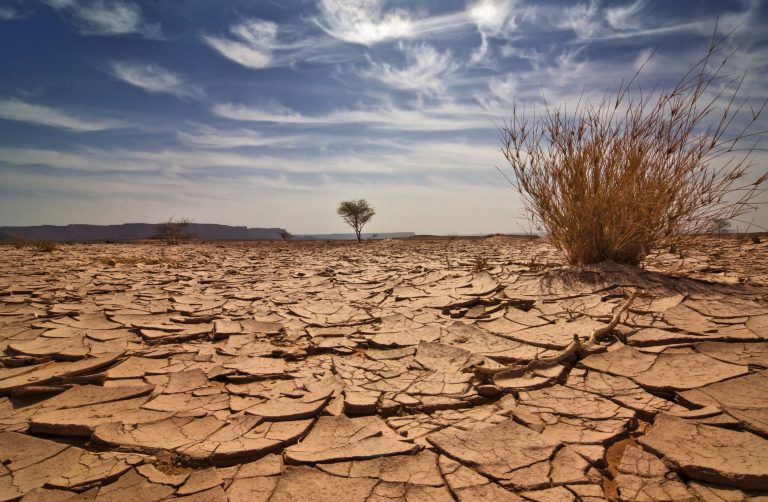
[267,113]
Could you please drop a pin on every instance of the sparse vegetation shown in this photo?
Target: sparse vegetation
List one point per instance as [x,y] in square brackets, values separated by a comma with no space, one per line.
[719,225]
[479,264]
[638,171]
[286,235]
[173,231]
[356,213]
[19,242]
[44,246]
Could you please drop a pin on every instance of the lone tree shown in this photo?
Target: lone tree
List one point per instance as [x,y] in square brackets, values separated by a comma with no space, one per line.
[285,235]
[639,170]
[356,213]
[720,225]
[173,230]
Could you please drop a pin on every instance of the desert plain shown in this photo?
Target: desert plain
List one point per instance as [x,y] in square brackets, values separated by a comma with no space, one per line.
[397,370]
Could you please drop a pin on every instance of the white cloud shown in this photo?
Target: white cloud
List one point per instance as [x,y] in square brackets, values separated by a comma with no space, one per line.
[446,117]
[43,115]
[624,17]
[532,55]
[365,157]
[362,21]
[263,114]
[426,70]
[504,88]
[589,21]
[491,16]
[585,20]
[366,22]
[207,137]
[252,46]
[105,17]
[154,79]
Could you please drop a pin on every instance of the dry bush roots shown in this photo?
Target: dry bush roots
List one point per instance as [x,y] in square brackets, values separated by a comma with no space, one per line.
[576,348]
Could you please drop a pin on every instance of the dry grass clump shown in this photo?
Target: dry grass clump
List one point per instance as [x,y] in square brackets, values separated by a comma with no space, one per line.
[638,171]
[44,246]
[173,231]
[19,242]
[41,246]
[480,263]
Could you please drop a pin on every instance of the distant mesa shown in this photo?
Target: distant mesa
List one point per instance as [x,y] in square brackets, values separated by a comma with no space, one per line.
[133,232]
[139,231]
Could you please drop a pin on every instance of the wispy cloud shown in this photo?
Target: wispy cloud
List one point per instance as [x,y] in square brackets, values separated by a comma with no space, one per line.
[251,44]
[154,79]
[492,18]
[368,157]
[367,22]
[624,17]
[586,20]
[20,111]
[208,137]
[589,21]
[105,17]
[7,13]
[446,117]
[426,69]
[363,21]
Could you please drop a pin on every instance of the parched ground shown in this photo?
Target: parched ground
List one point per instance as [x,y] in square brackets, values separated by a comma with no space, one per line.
[470,370]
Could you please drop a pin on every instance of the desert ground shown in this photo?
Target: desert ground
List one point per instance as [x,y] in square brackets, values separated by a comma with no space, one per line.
[418,370]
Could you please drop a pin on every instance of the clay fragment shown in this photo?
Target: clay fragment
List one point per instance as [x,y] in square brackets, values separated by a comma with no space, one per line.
[710,454]
[335,439]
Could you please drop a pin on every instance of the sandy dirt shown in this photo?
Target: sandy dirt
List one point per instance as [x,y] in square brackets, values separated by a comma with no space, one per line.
[413,370]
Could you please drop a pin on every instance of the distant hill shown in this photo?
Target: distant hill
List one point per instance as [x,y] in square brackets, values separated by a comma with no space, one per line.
[132,232]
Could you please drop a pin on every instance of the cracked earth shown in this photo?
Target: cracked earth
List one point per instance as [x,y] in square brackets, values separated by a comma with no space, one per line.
[406,370]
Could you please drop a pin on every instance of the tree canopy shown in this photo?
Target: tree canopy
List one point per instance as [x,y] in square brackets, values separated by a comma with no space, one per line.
[356,213]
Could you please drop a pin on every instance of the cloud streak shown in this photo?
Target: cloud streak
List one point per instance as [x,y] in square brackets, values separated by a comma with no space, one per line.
[20,111]
[363,21]
[446,117]
[154,79]
[105,17]
[251,43]
[426,70]
[208,137]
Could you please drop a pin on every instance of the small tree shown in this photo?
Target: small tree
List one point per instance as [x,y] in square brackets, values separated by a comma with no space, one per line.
[173,230]
[285,234]
[356,213]
[720,225]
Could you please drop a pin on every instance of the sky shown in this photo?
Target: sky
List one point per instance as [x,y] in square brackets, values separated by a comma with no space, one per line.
[268,113]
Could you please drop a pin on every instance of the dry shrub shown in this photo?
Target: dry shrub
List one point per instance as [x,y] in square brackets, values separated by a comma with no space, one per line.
[639,170]
[44,246]
[19,242]
[479,264]
[173,231]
